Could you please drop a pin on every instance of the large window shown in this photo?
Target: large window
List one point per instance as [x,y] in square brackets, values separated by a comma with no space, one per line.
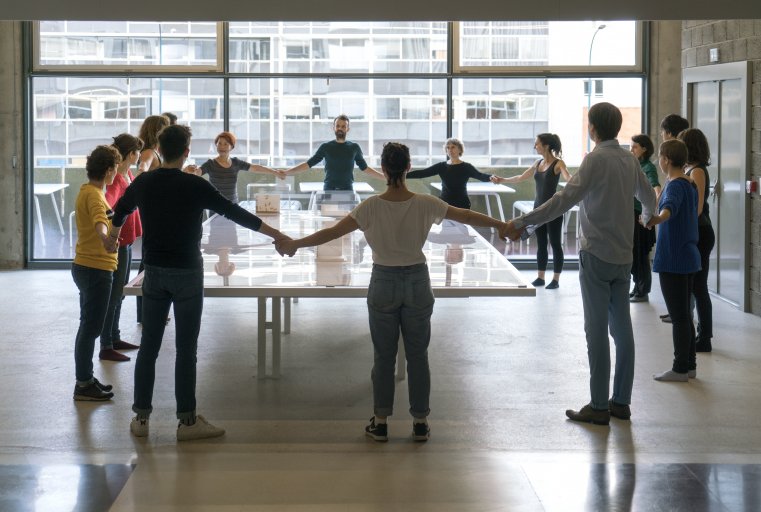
[282,84]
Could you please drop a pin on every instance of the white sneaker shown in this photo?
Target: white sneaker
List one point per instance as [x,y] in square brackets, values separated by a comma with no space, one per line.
[201,429]
[138,427]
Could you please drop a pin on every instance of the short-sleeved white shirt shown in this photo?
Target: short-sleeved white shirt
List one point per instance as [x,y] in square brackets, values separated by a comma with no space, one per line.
[396,230]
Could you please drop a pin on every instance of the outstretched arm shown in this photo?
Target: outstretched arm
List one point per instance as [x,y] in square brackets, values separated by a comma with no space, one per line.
[375,174]
[303,166]
[476,219]
[266,170]
[515,179]
[343,227]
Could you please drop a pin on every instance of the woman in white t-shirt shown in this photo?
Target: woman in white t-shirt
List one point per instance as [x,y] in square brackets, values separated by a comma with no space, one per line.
[396,224]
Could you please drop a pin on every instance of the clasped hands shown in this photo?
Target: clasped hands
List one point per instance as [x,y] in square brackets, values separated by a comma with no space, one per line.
[508,230]
[285,246]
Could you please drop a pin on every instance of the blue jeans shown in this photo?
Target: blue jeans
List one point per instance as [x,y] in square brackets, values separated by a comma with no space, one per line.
[163,287]
[94,289]
[400,298]
[110,332]
[605,296]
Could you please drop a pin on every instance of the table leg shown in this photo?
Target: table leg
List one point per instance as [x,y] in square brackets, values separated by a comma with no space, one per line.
[499,207]
[57,213]
[286,315]
[275,337]
[39,220]
[262,339]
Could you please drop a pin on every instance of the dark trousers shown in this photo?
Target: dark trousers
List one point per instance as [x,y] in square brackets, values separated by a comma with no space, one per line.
[644,239]
[706,241]
[94,289]
[111,332]
[163,287]
[553,229]
[677,289]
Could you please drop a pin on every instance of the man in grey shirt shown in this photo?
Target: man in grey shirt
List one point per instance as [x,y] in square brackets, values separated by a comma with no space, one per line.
[606,183]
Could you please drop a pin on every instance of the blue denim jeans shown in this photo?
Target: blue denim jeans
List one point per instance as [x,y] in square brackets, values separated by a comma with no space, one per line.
[111,332]
[400,299]
[605,296]
[94,289]
[163,287]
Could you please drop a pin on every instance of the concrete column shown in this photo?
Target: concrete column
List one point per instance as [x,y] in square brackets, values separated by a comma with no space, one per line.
[11,148]
[665,73]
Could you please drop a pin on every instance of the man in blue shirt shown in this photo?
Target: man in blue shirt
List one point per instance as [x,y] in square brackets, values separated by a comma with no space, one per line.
[340,155]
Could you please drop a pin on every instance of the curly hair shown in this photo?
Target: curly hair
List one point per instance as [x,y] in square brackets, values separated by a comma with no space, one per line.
[101,160]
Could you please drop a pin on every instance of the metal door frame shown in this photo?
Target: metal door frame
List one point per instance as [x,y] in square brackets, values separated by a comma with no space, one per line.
[714,73]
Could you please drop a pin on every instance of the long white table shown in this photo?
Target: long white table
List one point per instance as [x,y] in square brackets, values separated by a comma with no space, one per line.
[488,190]
[242,263]
[315,187]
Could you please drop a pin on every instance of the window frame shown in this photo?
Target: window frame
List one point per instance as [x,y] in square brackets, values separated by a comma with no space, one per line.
[219,67]
[550,70]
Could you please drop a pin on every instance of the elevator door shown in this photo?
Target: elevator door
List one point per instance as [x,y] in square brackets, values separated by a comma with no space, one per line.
[716,110]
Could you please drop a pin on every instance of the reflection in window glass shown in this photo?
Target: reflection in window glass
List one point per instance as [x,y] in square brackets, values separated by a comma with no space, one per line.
[499,118]
[542,43]
[338,47]
[283,121]
[97,43]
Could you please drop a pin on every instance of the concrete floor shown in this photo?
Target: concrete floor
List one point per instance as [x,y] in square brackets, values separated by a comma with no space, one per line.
[504,371]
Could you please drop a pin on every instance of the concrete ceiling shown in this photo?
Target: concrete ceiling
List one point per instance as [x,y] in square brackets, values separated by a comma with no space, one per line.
[369,10]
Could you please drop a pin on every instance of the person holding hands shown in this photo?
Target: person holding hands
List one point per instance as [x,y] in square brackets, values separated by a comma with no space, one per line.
[546,173]
[396,224]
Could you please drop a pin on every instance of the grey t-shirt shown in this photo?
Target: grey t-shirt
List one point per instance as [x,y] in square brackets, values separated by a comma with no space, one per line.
[225,179]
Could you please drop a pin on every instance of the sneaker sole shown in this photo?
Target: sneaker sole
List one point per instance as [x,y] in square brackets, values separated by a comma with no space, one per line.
[625,418]
[420,439]
[197,437]
[82,398]
[380,439]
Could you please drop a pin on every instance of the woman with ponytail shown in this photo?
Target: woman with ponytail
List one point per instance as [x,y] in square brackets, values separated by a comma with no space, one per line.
[546,173]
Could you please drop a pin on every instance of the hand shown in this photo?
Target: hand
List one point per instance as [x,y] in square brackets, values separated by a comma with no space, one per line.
[285,246]
[192,169]
[111,244]
[281,174]
[495,179]
[508,230]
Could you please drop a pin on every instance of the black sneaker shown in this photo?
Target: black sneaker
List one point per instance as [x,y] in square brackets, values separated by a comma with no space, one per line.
[91,393]
[420,432]
[104,387]
[703,345]
[537,282]
[377,432]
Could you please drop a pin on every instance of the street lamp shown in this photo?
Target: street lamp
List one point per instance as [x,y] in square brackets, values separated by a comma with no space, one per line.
[589,91]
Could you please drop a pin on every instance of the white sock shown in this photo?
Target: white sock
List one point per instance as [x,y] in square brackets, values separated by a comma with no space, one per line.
[671,376]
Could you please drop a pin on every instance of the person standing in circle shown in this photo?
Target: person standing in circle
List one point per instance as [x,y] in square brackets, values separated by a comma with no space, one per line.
[546,173]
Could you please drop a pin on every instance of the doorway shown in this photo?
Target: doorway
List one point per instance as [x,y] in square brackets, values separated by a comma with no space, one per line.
[716,100]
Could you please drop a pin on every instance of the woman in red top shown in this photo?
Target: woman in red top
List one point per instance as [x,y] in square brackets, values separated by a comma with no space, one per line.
[110,338]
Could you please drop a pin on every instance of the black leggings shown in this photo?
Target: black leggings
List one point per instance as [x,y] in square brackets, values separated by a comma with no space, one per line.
[706,241]
[676,290]
[554,229]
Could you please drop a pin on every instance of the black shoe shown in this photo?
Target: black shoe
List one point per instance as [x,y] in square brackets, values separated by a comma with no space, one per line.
[703,346]
[91,393]
[554,285]
[620,411]
[666,319]
[421,432]
[632,294]
[377,432]
[537,282]
[589,415]
[104,387]
[663,316]
[639,298]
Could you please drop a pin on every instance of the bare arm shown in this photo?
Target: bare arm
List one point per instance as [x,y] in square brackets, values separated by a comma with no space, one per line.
[663,216]
[146,160]
[699,178]
[303,166]
[528,173]
[561,167]
[266,170]
[343,227]
[375,174]
[472,218]
[271,232]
